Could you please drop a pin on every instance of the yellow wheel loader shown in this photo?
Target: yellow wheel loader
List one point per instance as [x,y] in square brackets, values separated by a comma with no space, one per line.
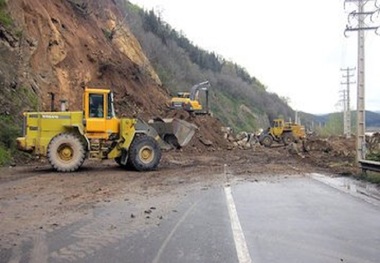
[68,138]
[282,132]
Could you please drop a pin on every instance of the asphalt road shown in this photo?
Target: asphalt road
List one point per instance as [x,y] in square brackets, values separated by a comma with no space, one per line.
[295,219]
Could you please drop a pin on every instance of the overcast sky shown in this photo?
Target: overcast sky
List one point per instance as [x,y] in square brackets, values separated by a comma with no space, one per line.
[295,48]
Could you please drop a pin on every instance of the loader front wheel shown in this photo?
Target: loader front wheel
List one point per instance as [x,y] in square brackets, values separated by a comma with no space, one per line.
[288,138]
[267,141]
[144,153]
[66,152]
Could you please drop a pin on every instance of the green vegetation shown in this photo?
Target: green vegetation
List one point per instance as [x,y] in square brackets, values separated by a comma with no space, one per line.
[14,101]
[374,156]
[333,126]
[5,18]
[371,177]
[8,133]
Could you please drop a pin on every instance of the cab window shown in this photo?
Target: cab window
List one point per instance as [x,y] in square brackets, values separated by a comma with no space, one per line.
[96,106]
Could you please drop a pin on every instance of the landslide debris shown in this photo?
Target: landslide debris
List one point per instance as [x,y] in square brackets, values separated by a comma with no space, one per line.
[208,137]
[335,154]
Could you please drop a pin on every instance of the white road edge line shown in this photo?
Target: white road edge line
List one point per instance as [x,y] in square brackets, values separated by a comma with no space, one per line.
[240,243]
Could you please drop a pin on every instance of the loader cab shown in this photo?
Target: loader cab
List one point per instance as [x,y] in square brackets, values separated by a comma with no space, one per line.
[278,127]
[99,113]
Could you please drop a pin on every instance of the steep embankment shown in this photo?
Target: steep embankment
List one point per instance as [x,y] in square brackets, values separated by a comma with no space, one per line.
[60,45]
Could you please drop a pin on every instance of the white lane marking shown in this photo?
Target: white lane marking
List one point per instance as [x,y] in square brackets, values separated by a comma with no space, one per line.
[166,241]
[40,252]
[240,243]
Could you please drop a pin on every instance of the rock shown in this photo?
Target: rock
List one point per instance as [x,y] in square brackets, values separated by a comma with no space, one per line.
[293,148]
[205,141]
[241,135]
[247,146]
[231,138]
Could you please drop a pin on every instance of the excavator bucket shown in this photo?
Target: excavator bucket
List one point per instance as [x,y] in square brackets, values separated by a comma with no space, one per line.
[173,132]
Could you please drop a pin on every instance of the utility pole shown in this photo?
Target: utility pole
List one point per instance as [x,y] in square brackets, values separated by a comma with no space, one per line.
[346,101]
[363,19]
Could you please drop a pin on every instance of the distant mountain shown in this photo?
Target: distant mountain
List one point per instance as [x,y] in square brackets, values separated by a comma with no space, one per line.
[309,120]
[372,119]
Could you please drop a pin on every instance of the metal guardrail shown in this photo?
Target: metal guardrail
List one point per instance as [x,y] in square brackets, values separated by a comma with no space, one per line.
[369,166]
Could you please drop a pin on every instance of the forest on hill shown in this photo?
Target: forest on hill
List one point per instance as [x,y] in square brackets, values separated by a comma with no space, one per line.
[238,99]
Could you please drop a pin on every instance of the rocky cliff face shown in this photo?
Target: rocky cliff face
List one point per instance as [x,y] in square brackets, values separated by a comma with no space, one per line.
[57,46]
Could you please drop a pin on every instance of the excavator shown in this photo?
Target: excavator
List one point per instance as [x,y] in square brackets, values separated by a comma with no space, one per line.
[190,101]
[68,138]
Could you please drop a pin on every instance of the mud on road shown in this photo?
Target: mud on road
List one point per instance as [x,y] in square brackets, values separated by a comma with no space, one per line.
[35,198]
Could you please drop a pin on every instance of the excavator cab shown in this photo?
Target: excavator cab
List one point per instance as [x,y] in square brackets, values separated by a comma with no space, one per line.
[183,95]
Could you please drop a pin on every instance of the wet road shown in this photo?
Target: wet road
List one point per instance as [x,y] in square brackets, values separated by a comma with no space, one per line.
[295,219]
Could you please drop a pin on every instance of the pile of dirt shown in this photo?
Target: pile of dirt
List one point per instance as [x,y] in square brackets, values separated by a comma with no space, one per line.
[335,153]
[208,137]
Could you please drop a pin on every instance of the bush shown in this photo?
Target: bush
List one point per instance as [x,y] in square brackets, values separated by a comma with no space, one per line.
[5,18]
[374,156]
[9,131]
[5,156]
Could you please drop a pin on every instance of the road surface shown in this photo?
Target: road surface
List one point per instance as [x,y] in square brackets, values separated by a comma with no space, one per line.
[281,219]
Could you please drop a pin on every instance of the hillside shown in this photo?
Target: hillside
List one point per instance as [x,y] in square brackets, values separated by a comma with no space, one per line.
[58,46]
[238,99]
[61,45]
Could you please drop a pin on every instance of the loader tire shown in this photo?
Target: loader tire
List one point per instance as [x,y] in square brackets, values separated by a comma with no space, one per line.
[267,141]
[287,138]
[127,166]
[144,153]
[66,152]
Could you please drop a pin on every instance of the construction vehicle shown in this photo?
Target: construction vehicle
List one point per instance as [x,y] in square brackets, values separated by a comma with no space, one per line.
[68,138]
[282,132]
[190,101]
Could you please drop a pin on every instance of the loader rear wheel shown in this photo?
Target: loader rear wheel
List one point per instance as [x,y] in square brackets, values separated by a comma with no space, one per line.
[267,141]
[144,153]
[66,152]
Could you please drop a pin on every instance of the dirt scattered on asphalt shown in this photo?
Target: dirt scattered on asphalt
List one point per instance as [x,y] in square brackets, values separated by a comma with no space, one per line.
[35,198]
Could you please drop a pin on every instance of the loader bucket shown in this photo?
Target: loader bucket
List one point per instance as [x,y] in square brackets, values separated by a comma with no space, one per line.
[174,132]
